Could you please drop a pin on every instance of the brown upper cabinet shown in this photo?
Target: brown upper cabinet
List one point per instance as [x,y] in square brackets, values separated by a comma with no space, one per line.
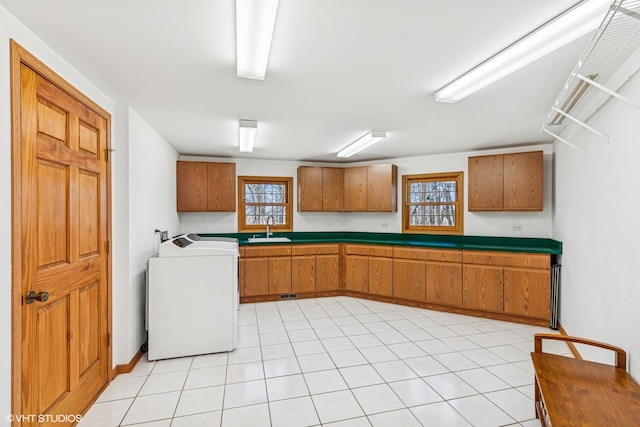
[506,182]
[320,188]
[359,188]
[206,186]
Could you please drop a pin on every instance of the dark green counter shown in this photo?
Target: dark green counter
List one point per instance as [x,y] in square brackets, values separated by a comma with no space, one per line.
[480,243]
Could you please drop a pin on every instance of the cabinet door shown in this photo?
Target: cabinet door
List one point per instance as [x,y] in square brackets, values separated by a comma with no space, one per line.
[486,183]
[523,181]
[256,276]
[241,263]
[332,189]
[527,292]
[279,275]
[192,186]
[444,284]
[327,272]
[357,273]
[380,276]
[483,288]
[221,187]
[355,189]
[309,188]
[382,188]
[409,279]
[303,273]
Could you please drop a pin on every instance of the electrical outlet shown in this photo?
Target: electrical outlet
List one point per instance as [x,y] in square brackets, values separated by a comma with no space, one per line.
[385,225]
[517,228]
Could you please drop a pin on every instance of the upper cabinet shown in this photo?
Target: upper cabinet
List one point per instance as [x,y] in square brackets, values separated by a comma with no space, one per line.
[506,182]
[320,188]
[359,188]
[206,186]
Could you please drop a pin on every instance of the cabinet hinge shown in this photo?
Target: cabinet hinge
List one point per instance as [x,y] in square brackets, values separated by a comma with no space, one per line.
[108,246]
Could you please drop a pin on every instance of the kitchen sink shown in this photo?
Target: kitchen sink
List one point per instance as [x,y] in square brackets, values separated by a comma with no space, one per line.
[268,239]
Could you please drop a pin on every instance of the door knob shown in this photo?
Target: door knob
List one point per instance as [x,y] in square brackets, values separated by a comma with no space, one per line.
[40,296]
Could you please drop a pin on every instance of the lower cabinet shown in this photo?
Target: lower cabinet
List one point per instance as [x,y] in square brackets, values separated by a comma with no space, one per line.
[513,285]
[315,268]
[409,279]
[509,283]
[266,270]
[368,269]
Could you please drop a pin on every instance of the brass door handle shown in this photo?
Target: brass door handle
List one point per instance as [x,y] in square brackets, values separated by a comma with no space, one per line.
[40,296]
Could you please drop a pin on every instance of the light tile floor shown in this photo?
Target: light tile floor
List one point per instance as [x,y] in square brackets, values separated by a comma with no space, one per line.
[338,361]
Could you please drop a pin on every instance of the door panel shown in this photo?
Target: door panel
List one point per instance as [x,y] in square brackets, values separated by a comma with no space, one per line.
[63,235]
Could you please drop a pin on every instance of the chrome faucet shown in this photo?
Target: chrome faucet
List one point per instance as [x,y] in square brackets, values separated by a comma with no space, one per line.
[273,221]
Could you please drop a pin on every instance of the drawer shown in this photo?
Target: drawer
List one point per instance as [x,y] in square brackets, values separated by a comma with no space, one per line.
[507,259]
[370,250]
[443,255]
[315,249]
[267,251]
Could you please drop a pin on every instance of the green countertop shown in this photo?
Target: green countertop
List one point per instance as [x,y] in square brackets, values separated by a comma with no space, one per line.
[481,243]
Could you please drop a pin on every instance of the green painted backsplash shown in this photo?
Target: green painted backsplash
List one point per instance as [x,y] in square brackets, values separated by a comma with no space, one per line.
[481,243]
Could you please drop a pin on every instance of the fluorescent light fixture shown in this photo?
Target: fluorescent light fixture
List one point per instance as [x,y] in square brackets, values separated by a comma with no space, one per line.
[255,20]
[247,134]
[561,30]
[362,143]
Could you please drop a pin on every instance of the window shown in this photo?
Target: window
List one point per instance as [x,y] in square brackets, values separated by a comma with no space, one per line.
[433,203]
[264,198]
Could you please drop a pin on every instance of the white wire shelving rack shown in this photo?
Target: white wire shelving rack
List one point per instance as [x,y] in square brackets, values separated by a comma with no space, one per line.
[611,58]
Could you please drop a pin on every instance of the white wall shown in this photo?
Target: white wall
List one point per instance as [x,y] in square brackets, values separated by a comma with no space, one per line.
[534,224]
[12,28]
[152,205]
[596,208]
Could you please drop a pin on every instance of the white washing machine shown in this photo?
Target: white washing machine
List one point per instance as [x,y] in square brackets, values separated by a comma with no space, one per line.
[192,297]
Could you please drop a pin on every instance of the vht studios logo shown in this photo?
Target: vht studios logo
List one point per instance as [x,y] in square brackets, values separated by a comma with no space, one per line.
[44,418]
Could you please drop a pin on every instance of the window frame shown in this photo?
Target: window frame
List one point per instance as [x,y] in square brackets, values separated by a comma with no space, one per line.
[287,181]
[458,177]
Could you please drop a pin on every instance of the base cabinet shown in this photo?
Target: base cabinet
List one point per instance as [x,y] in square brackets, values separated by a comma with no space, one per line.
[506,285]
[444,284]
[510,283]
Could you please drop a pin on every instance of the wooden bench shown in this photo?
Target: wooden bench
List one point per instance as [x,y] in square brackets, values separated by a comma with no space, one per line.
[575,392]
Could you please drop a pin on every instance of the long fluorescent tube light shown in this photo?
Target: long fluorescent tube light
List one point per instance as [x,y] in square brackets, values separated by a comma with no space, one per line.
[247,130]
[556,33]
[255,20]
[362,143]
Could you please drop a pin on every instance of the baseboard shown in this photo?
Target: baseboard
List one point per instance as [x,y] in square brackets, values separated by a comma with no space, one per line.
[125,369]
[571,346]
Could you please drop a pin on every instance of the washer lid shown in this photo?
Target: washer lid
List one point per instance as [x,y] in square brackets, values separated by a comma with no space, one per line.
[183,246]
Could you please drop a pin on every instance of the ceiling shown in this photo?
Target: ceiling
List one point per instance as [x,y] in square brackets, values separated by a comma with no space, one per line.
[337,69]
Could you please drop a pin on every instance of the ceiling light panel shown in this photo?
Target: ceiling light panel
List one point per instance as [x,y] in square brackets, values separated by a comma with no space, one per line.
[361,143]
[255,21]
[556,33]
[247,131]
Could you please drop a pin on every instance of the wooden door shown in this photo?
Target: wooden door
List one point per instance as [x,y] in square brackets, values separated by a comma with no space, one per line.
[357,273]
[523,181]
[192,186]
[380,276]
[63,208]
[382,188]
[256,276]
[409,279]
[309,188]
[527,292]
[355,188]
[332,189]
[221,187]
[279,275]
[303,273]
[327,272]
[483,288]
[444,283]
[486,183]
